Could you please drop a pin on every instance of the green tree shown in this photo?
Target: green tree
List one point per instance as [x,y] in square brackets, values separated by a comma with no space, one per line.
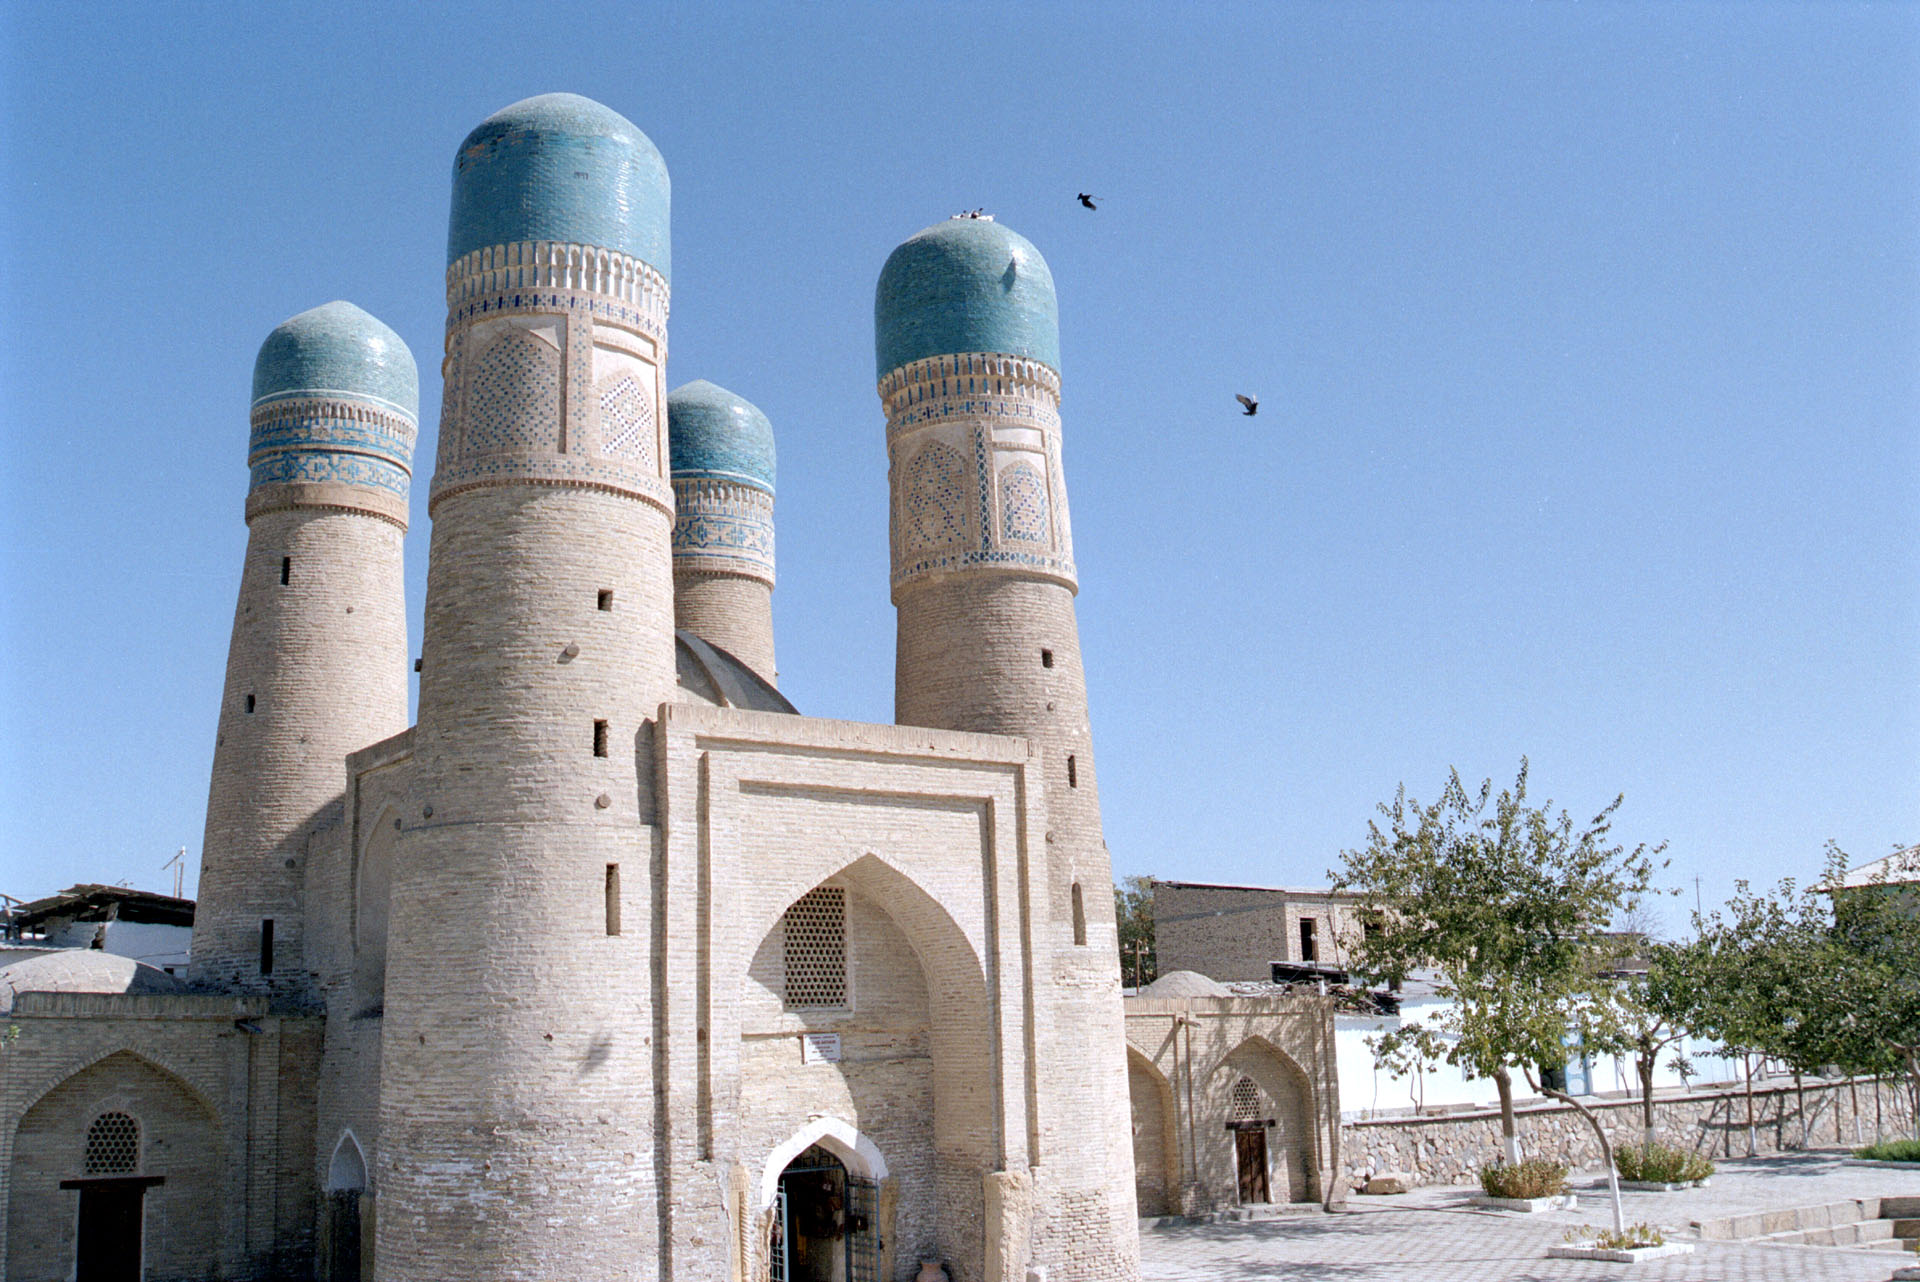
[1133,906]
[1505,902]
[1652,1008]
[1874,1025]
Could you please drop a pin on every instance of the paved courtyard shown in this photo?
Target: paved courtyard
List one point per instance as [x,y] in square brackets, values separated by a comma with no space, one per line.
[1437,1235]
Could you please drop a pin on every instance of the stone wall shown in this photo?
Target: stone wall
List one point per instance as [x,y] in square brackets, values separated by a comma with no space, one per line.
[1451,1148]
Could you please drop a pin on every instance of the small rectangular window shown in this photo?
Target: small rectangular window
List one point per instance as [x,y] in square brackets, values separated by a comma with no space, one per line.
[1073,775]
[266,945]
[286,570]
[1306,939]
[606,598]
[613,899]
[599,738]
[1079,915]
[1046,658]
[249,703]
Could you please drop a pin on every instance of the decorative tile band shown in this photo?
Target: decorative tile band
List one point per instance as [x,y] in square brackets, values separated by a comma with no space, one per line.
[550,265]
[973,444]
[552,372]
[319,450]
[722,528]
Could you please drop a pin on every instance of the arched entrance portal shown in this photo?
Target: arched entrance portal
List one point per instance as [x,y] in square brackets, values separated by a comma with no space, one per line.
[823,1222]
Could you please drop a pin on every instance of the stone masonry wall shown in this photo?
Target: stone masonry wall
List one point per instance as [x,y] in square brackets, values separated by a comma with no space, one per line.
[1451,1149]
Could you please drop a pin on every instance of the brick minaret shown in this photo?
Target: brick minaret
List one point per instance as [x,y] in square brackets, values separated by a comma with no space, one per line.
[723,464]
[318,663]
[517,1107]
[983,577]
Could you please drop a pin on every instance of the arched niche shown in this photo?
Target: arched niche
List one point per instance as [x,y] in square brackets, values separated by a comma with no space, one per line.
[903,1066]
[372,905]
[181,1165]
[1285,1099]
[1156,1145]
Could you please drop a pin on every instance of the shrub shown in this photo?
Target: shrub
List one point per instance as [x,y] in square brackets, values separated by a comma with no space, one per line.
[1660,1164]
[1892,1151]
[1535,1177]
[1625,1239]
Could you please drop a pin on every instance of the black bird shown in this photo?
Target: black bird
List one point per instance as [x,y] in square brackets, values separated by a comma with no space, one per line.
[1087,200]
[1252,404]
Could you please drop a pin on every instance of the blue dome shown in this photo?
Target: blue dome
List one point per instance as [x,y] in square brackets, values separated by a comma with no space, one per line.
[965,285]
[713,433]
[560,167]
[337,349]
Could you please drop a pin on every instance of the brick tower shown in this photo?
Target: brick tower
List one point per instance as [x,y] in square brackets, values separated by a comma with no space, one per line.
[318,662]
[723,462]
[517,1108]
[967,345]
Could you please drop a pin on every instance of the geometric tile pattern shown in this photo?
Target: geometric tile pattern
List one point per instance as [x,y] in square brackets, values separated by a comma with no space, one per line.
[932,499]
[514,405]
[722,526]
[113,1145]
[815,938]
[1246,1101]
[626,419]
[1023,504]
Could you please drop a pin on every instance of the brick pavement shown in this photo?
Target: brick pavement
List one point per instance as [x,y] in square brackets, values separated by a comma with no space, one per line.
[1436,1235]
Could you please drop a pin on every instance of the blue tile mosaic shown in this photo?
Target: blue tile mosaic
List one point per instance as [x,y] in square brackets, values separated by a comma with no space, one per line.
[965,285]
[338,350]
[711,432]
[560,167]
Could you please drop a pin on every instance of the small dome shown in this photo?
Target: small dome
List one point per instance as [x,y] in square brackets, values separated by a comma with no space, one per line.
[337,348]
[560,167]
[965,285]
[713,433]
[1185,983]
[81,970]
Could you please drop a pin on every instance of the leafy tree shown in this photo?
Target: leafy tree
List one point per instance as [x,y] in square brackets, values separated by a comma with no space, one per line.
[1133,906]
[1652,1007]
[1504,902]
[1875,956]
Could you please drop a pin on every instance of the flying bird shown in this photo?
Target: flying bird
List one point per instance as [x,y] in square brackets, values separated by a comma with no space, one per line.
[1087,200]
[1252,404]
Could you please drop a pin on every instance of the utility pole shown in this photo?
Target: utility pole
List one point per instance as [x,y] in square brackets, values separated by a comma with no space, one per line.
[179,865]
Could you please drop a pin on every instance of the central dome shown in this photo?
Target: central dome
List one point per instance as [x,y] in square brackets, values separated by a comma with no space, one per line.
[560,167]
[965,285]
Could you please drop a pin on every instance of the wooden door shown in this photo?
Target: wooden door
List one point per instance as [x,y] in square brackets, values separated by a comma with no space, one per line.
[1251,1146]
[109,1245]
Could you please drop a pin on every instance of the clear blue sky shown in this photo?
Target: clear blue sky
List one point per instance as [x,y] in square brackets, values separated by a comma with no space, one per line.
[1587,340]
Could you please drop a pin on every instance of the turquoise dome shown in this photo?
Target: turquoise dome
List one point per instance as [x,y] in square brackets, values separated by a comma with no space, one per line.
[965,285]
[338,349]
[713,433]
[560,167]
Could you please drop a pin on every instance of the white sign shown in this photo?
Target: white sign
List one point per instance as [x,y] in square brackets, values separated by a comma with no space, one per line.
[820,1048]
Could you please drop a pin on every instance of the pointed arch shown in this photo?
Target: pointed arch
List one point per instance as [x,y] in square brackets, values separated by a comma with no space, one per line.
[1023,505]
[1156,1144]
[372,905]
[857,1153]
[1286,1099]
[66,1073]
[513,401]
[347,1172]
[931,506]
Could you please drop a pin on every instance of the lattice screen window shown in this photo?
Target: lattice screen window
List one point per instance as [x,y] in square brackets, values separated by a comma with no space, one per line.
[1246,1101]
[113,1145]
[816,949]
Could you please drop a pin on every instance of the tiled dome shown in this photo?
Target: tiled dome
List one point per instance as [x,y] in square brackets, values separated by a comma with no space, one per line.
[337,349]
[965,285]
[713,433]
[560,167]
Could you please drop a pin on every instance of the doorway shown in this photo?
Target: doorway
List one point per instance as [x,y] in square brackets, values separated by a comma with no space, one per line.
[1250,1147]
[823,1223]
[108,1245]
